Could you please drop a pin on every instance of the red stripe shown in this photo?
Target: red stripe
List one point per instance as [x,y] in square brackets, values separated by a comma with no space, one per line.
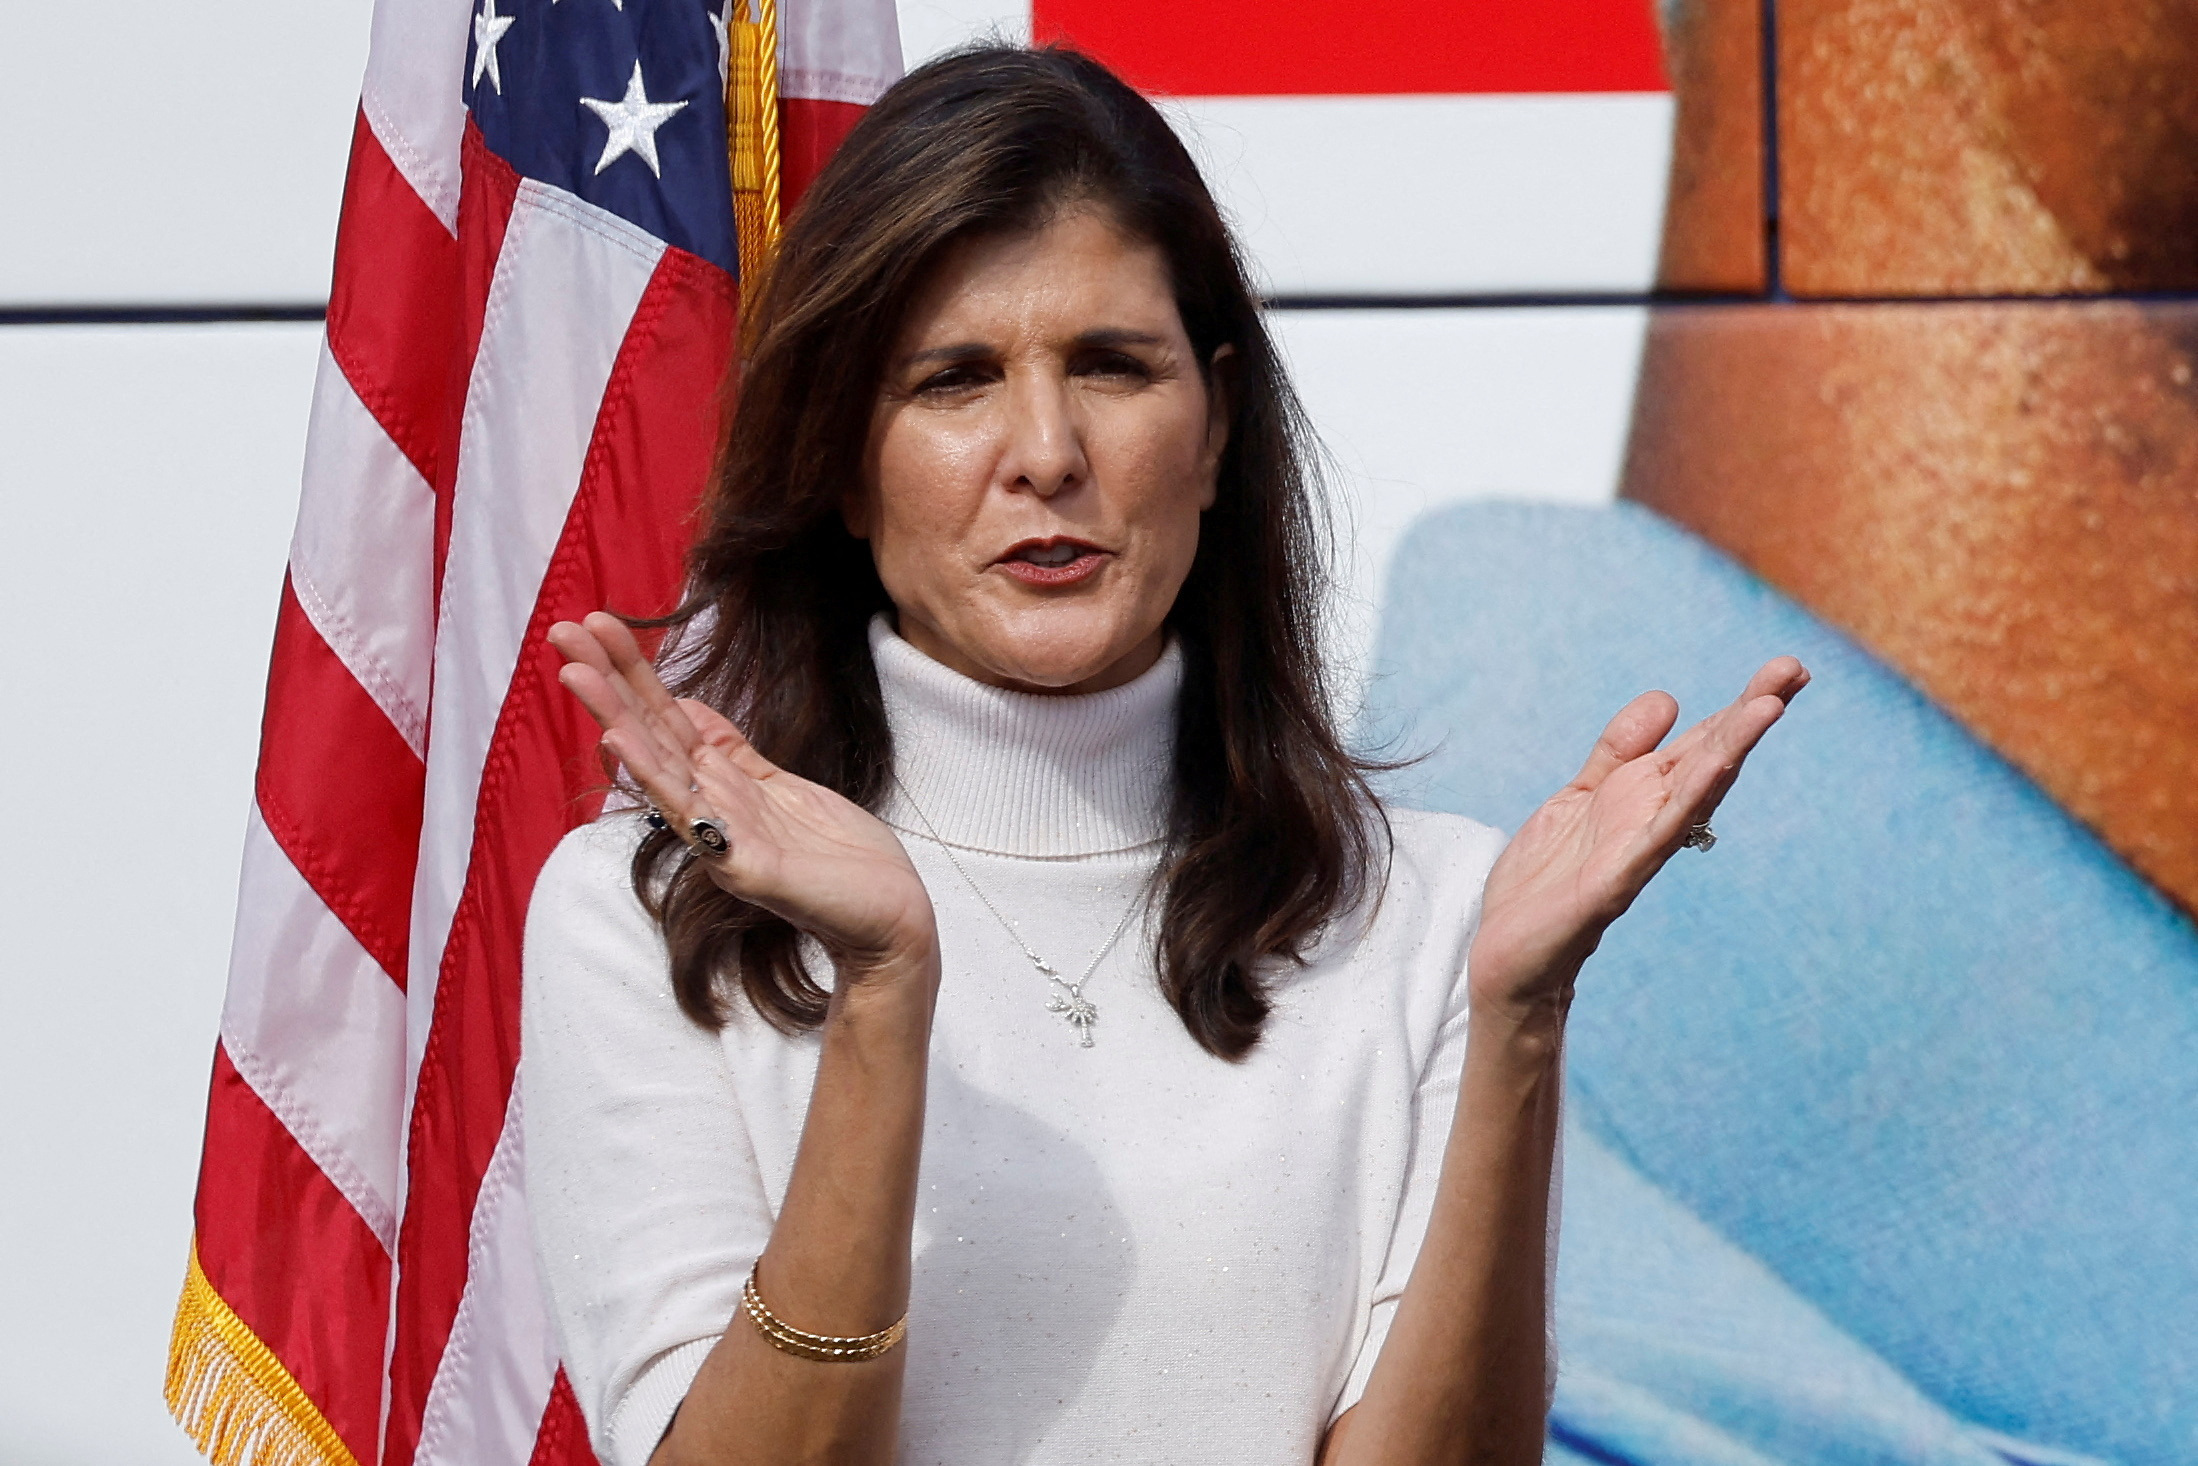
[393,307]
[654,439]
[562,1439]
[810,131]
[292,1259]
[1234,48]
[340,789]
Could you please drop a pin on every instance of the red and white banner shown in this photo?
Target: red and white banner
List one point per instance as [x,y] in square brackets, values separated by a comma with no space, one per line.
[1415,148]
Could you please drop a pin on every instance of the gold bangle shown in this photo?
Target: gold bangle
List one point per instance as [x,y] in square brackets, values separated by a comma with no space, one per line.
[787,1339]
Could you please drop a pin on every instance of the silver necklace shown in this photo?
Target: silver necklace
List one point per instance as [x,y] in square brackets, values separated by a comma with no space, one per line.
[1068,998]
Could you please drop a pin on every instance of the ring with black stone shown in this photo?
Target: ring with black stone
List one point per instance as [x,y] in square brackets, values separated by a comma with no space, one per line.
[708,838]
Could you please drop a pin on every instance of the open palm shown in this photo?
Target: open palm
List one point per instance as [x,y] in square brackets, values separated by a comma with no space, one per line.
[797,848]
[1577,864]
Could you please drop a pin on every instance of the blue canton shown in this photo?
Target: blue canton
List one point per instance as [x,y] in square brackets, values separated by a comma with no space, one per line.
[619,101]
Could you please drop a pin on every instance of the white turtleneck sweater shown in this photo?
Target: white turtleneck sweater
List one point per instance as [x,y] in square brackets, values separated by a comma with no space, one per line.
[1130,1252]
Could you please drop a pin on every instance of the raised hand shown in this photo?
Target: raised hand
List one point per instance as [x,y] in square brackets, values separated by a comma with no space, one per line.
[796,848]
[1578,863]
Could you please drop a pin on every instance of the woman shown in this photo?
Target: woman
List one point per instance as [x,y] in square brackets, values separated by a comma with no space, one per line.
[1019,958]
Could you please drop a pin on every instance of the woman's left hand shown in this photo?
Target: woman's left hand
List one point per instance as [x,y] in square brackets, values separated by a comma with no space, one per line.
[1576,865]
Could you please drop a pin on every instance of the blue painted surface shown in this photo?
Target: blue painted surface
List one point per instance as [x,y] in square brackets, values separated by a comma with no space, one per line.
[1910,1038]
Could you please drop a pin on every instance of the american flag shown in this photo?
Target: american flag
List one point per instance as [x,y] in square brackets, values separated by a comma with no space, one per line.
[519,394]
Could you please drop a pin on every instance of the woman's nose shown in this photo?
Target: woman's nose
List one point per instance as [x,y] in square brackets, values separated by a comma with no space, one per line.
[1045,447]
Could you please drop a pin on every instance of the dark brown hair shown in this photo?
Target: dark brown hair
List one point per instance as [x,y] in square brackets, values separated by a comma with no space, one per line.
[1272,834]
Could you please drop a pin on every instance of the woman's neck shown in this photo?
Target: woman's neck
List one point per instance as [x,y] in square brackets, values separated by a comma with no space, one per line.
[1021,773]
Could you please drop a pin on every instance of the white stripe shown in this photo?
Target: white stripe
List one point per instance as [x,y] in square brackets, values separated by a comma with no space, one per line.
[838,50]
[1440,194]
[496,1371]
[317,1029]
[363,558]
[412,96]
[565,289]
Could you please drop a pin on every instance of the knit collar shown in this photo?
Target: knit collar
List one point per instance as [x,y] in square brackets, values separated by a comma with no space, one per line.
[1022,773]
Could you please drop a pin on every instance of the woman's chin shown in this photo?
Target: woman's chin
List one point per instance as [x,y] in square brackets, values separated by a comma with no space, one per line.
[1062,674]
[1063,650]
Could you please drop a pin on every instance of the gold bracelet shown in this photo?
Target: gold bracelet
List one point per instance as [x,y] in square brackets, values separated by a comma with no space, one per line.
[787,1339]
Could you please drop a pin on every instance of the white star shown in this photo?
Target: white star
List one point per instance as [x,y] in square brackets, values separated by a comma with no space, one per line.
[488,29]
[633,120]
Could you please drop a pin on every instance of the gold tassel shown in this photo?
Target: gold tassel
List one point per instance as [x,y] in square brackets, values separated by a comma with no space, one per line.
[232,1396]
[751,135]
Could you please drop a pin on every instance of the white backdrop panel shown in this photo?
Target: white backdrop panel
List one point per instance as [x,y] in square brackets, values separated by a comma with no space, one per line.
[929,27]
[1421,408]
[149,485]
[175,154]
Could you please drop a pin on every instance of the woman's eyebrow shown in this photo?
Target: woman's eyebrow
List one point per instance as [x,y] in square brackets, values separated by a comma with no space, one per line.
[961,351]
[1119,336]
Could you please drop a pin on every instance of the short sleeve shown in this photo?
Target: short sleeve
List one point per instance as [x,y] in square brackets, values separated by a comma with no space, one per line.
[647,1202]
[1456,868]
[1434,1103]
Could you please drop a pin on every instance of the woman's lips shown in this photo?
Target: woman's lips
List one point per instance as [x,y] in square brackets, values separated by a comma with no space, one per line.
[1049,569]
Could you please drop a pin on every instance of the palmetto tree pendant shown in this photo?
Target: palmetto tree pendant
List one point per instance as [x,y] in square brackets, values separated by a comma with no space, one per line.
[1068,998]
[1069,1001]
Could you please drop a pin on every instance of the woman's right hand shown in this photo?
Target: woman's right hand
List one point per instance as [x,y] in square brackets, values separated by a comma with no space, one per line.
[797,849]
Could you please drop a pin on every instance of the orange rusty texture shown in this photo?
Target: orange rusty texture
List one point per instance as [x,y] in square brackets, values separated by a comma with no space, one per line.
[2001,500]
[1713,224]
[1988,146]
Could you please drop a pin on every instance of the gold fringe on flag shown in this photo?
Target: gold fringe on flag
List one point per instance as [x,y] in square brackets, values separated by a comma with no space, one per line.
[751,134]
[232,1396]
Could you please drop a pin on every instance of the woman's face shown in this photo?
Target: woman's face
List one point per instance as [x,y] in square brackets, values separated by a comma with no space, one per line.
[1042,447]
